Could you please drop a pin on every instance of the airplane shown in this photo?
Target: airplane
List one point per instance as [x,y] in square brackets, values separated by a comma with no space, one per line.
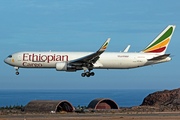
[154,53]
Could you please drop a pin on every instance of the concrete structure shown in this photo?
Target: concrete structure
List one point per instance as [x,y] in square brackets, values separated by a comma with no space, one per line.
[48,105]
[101,103]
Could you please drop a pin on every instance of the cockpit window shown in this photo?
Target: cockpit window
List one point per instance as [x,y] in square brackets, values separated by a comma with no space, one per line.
[10,56]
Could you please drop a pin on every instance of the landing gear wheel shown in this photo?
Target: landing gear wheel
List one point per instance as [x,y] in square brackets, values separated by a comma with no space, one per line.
[16,68]
[88,74]
[92,73]
[17,73]
[83,74]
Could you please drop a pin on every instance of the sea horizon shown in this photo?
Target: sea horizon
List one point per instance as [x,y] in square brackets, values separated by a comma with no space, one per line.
[82,97]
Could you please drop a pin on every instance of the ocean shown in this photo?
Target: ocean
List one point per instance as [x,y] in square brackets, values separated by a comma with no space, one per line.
[124,98]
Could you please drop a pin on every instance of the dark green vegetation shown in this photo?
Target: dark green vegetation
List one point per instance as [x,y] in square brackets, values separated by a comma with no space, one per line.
[13,107]
[80,107]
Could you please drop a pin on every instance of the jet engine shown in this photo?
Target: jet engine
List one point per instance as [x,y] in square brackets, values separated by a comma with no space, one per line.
[63,66]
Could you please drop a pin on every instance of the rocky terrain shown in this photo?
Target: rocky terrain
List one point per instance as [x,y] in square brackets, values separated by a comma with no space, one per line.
[168,100]
[161,101]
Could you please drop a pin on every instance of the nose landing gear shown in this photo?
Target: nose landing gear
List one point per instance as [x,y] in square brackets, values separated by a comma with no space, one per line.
[17,73]
[16,68]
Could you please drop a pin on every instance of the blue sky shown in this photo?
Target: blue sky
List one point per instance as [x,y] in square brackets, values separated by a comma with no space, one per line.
[79,25]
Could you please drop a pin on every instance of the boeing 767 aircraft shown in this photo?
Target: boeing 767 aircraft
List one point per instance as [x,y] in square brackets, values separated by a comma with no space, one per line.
[71,61]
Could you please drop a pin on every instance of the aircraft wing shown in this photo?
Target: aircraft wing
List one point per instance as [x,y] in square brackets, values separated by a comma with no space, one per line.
[92,58]
[160,57]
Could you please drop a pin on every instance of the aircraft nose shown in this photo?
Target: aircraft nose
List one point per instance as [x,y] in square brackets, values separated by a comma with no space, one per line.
[6,61]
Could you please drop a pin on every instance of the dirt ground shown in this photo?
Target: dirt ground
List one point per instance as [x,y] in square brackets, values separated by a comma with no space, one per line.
[154,116]
[98,118]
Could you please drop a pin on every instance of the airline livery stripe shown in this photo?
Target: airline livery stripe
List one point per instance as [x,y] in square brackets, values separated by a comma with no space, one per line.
[157,50]
[163,37]
[105,46]
[162,44]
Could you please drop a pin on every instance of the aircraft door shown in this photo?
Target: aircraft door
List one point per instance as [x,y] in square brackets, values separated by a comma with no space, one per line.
[19,58]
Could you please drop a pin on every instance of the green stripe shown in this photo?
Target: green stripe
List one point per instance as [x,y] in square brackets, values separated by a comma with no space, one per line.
[105,44]
[163,37]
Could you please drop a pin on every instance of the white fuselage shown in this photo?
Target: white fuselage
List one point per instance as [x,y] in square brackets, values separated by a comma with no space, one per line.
[107,60]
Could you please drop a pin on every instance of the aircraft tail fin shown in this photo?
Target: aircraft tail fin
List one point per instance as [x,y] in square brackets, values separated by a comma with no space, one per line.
[160,43]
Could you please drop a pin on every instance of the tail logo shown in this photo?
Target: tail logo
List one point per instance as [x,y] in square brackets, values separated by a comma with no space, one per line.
[160,44]
[105,46]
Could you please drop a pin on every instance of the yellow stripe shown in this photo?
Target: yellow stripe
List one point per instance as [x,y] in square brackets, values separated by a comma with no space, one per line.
[162,44]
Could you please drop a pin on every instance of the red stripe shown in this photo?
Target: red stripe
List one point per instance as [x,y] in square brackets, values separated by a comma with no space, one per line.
[157,50]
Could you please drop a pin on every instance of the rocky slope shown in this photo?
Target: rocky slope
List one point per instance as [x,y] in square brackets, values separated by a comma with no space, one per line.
[169,99]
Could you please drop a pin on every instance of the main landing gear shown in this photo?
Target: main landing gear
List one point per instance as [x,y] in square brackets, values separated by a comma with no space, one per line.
[88,74]
[16,68]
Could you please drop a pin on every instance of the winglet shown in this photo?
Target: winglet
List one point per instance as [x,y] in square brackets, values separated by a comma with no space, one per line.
[104,46]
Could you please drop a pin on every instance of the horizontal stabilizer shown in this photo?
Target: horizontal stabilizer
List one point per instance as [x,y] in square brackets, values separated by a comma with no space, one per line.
[160,57]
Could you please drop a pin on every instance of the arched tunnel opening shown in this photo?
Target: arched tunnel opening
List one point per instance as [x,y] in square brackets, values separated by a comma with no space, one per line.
[101,103]
[106,104]
[64,106]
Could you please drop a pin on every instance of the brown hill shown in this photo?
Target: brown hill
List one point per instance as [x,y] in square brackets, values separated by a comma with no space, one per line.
[166,98]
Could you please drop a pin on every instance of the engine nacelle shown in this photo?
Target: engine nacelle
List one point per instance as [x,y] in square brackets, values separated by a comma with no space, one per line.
[63,66]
